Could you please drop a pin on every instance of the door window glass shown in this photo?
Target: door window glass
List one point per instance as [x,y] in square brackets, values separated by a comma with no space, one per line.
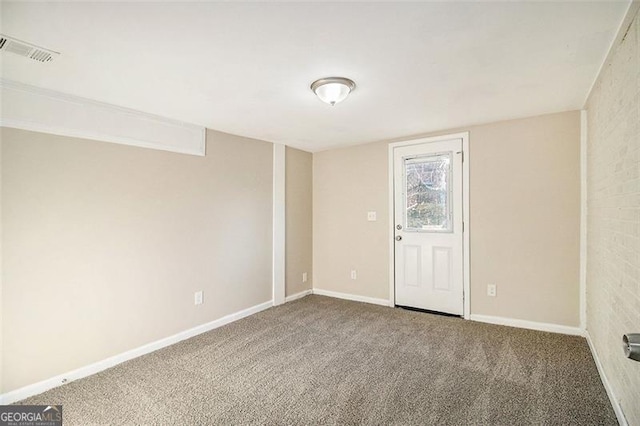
[428,193]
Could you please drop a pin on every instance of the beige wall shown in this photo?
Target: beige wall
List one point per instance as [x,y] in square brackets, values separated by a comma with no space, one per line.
[104,245]
[346,184]
[613,217]
[525,218]
[298,211]
[524,213]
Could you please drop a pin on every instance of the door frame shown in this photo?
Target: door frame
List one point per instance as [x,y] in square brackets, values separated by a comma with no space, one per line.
[466,285]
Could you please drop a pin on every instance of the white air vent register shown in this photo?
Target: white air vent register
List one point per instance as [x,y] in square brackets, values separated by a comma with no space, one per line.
[28,50]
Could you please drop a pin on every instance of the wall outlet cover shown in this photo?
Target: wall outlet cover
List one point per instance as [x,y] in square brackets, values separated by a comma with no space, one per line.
[491,290]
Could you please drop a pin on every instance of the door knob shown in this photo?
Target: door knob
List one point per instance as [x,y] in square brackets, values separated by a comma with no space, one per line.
[399,237]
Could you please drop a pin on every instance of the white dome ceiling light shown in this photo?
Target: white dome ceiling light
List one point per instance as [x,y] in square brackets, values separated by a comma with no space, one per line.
[333,90]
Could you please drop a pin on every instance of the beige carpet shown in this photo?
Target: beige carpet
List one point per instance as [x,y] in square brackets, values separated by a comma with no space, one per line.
[326,361]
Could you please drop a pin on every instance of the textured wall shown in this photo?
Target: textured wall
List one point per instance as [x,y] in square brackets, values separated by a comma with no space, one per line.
[299,228]
[525,218]
[104,245]
[613,217]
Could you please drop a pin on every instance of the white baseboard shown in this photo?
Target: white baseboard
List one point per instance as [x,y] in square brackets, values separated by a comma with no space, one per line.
[607,386]
[298,295]
[45,385]
[354,297]
[532,325]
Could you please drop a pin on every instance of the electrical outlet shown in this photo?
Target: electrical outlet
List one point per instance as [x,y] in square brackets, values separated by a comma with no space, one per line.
[354,274]
[304,277]
[491,290]
[372,216]
[198,298]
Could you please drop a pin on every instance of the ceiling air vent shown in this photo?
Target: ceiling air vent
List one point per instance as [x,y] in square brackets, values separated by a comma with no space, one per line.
[28,50]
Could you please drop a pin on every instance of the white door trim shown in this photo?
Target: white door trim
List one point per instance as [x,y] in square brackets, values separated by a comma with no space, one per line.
[465,214]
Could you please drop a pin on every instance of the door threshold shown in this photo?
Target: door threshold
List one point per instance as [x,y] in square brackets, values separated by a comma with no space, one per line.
[428,311]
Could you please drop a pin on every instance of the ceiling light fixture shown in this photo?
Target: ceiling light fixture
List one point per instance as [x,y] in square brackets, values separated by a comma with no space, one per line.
[333,90]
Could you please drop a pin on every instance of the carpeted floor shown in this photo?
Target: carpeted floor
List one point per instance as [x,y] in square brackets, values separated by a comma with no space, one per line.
[327,361]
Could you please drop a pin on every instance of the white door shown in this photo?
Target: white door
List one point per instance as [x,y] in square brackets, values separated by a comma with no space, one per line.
[428,226]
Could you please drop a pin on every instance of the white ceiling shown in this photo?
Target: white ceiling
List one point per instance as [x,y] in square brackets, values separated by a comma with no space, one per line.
[245,68]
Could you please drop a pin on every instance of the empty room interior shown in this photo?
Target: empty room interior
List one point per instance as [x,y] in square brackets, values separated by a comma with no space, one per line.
[410,213]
